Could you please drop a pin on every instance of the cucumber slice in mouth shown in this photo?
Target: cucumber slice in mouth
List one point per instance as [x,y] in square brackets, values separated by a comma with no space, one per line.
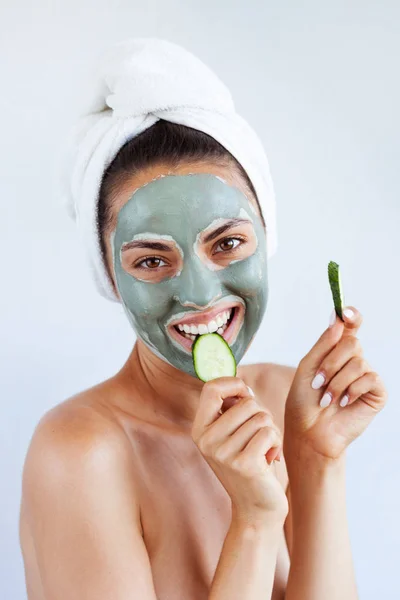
[212,357]
[336,288]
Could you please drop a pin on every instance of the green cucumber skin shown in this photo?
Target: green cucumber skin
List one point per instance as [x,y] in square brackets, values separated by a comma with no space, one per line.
[334,282]
[194,357]
[196,369]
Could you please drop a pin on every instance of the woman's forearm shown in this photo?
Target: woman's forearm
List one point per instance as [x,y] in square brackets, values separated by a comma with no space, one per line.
[246,567]
[321,561]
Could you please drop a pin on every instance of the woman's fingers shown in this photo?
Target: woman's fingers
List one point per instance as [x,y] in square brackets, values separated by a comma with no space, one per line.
[370,385]
[241,436]
[327,342]
[244,410]
[324,345]
[344,351]
[211,400]
[352,321]
[339,384]
[229,433]
[260,443]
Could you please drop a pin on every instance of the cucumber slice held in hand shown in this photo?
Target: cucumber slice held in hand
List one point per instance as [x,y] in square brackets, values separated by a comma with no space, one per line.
[336,287]
[212,357]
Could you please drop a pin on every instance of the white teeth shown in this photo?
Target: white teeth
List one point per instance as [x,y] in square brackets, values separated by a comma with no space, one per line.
[189,336]
[222,329]
[219,322]
[212,326]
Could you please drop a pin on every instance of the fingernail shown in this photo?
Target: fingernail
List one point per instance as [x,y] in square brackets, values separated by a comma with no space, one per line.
[344,400]
[332,318]
[325,400]
[348,313]
[250,391]
[318,381]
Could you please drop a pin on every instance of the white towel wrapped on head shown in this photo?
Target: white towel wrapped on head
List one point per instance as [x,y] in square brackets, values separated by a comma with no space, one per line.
[140,81]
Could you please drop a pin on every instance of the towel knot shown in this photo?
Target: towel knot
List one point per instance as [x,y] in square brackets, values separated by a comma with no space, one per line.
[136,84]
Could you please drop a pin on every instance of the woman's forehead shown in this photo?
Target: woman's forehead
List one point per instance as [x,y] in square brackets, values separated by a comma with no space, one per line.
[192,200]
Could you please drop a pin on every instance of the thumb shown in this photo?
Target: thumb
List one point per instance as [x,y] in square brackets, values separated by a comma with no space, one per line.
[323,346]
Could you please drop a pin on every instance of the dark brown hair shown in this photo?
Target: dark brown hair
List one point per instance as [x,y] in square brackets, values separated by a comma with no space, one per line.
[166,143]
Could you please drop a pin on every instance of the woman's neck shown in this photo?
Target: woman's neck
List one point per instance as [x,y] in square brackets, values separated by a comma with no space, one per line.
[163,390]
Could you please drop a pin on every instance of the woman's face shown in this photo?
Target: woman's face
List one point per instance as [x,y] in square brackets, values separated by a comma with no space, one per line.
[188,256]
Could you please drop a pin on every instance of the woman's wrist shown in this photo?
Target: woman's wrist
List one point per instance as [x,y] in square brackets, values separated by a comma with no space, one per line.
[301,461]
[257,520]
[298,451]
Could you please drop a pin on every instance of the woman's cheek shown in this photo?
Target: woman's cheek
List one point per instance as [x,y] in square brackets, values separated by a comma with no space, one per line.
[246,277]
[147,301]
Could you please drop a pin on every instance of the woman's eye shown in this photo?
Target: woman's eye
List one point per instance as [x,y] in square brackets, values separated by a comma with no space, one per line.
[152,262]
[229,244]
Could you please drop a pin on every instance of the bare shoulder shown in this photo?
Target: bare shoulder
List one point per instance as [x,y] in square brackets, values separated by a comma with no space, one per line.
[275,379]
[82,422]
[80,529]
[273,382]
[77,448]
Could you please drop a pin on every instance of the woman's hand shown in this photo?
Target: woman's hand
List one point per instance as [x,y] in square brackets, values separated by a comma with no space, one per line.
[235,445]
[329,428]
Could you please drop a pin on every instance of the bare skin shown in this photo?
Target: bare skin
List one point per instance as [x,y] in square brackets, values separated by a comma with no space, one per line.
[179,506]
[116,496]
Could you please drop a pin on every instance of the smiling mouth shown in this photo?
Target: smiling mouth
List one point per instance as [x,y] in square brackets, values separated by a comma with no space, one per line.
[226,323]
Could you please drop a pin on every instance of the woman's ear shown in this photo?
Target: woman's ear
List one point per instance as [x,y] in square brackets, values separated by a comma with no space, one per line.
[115,290]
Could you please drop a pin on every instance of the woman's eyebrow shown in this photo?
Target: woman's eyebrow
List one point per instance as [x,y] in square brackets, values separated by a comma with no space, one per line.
[144,244]
[231,223]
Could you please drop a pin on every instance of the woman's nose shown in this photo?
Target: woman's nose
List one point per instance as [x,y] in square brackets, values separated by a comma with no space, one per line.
[198,285]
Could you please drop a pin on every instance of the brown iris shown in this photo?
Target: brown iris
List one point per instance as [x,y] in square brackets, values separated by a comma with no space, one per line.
[152,262]
[227,244]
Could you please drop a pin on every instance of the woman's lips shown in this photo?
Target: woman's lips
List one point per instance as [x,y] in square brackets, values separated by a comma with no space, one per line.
[229,334]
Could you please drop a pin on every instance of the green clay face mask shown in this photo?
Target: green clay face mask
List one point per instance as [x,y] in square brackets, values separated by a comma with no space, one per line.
[190,256]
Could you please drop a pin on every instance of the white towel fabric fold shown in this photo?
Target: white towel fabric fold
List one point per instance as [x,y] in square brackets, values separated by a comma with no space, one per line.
[137,82]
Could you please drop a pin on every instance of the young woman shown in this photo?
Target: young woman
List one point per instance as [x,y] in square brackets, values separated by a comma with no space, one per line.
[155,485]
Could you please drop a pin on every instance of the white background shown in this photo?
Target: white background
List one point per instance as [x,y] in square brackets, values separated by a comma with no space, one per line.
[320,83]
